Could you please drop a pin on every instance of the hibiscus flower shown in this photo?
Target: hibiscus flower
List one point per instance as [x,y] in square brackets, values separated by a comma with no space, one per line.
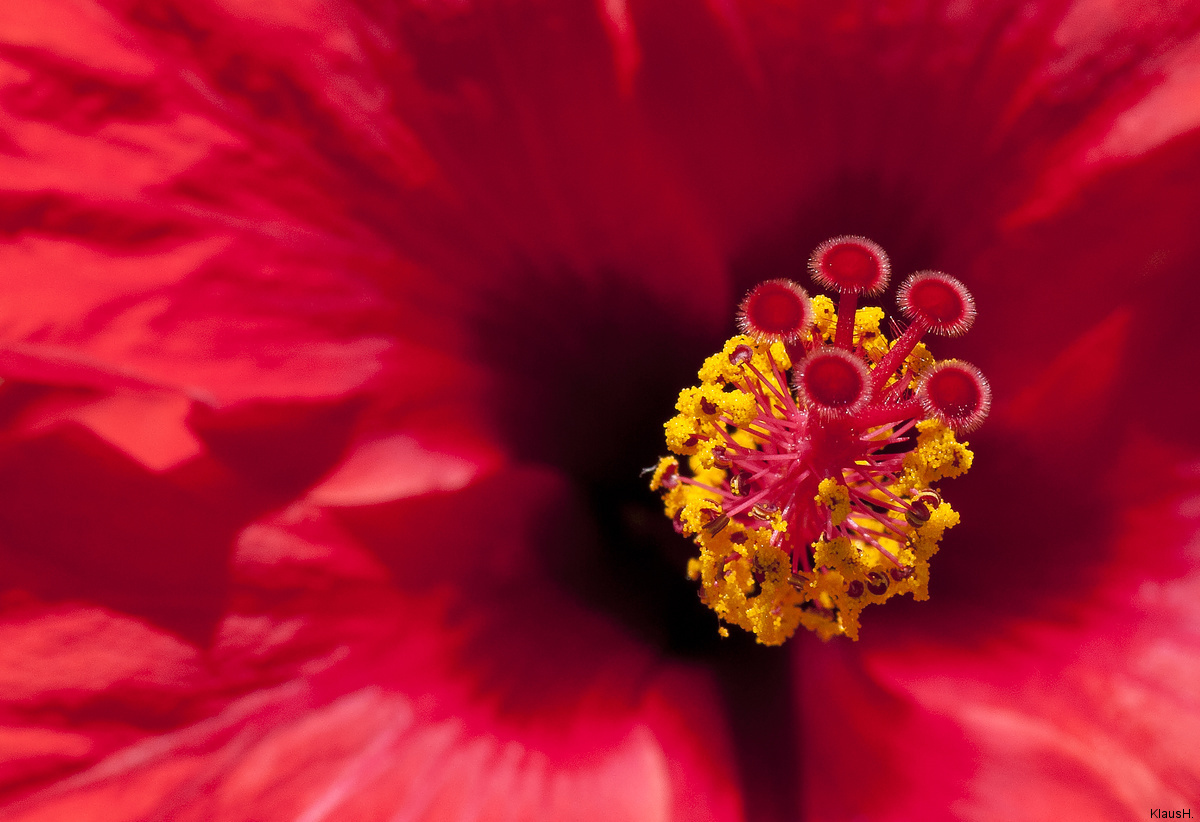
[335,334]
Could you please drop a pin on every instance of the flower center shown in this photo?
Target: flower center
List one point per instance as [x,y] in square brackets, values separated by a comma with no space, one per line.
[807,505]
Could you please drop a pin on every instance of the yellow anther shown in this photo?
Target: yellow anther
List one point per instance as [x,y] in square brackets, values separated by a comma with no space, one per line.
[836,497]
[938,455]
[867,334]
[726,365]
[699,512]
[925,541]
[667,467]
[684,433]
[919,360]
[838,554]
[709,402]
[826,316]
[866,320]
[745,581]
[780,356]
[737,361]
[700,402]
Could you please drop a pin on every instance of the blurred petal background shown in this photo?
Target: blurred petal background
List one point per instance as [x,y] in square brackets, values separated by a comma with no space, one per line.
[334,336]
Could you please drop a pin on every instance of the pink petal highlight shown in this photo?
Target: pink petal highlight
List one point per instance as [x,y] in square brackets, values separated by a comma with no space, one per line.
[149,427]
[396,467]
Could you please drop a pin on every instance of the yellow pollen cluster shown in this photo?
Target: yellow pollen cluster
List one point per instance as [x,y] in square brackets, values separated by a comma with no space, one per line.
[938,455]
[834,496]
[843,561]
[854,555]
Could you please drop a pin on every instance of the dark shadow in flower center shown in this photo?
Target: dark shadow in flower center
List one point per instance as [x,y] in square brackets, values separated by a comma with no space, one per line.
[592,367]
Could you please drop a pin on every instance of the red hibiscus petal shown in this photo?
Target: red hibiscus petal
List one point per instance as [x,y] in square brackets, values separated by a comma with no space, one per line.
[133,540]
[118,679]
[511,700]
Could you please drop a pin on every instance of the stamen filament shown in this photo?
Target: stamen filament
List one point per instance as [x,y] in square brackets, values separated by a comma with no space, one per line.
[847,303]
[899,352]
